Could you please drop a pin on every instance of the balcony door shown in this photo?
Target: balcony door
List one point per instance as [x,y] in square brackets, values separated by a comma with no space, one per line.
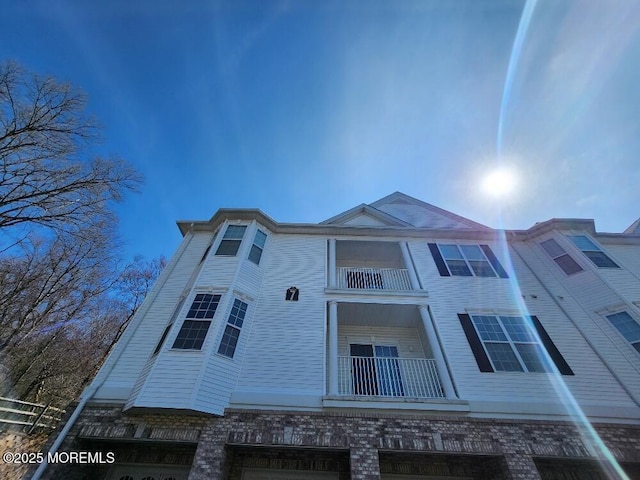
[375,370]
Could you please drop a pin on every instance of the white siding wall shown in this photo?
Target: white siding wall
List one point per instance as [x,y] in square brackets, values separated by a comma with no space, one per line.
[203,380]
[147,330]
[625,280]
[586,299]
[449,296]
[285,350]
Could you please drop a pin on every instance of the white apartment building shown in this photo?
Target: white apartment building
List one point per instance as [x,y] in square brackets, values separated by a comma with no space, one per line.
[395,341]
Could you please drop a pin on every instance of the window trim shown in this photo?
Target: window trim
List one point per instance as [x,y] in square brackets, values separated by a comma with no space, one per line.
[230,325]
[445,269]
[631,344]
[204,321]
[172,320]
[482,357]
[597,249]
[509,341]
[557,258]
[229,239]
[257,247]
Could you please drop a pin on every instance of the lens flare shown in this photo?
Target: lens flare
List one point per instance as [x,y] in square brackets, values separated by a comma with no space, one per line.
[499,183]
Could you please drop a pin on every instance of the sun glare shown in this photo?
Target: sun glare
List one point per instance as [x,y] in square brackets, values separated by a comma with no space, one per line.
[499,183]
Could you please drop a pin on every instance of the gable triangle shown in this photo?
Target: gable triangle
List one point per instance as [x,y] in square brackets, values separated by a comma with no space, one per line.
[423,215]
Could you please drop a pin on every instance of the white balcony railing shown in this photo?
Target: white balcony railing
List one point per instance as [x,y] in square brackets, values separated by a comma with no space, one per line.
[374,278]
[389,377]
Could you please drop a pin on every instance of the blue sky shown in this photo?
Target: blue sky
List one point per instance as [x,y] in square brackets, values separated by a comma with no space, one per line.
[305,109]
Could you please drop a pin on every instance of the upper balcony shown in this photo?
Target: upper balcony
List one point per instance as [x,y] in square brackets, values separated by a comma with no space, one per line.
[371,266]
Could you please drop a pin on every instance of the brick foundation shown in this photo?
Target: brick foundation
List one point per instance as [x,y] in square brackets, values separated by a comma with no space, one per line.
[361,446]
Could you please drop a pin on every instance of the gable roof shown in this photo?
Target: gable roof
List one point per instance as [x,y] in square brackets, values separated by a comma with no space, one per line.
[399,209]
[365,215]
[634,227]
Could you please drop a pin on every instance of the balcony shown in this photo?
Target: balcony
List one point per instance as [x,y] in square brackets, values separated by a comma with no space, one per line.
[374,278]
[384,352]
[371,266]
[389,377]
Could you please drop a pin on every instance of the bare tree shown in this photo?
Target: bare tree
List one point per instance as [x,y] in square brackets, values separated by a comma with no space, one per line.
[64,296]
[45,177]
[71,312]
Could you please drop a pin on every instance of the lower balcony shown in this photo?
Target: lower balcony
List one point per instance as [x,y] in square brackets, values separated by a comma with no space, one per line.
[386,356]
[388,376]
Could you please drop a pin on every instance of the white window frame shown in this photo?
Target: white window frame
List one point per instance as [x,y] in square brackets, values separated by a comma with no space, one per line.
[257,246]
[208,320]
[230,237]
[596,248]
[466,260]
[556,259]
[631,343]
[512,343]
[231,325]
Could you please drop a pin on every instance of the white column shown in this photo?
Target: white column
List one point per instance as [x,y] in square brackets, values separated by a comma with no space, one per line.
[333,348]
[437,353]
[409,264]
[332,263]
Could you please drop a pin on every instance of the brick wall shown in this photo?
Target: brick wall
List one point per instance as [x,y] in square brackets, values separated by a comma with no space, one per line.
[500,449]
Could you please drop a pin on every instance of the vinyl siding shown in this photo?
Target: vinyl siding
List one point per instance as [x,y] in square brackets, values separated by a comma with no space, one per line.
[147,329]
[421,217]
[449,296]
[627,255]
[582,295]
[625,280]
[285,350]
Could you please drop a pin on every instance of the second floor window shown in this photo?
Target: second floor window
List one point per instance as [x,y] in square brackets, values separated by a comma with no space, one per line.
[231,333]
[466,261]
[198,320]
[231,241]
[628,328]
[509,343]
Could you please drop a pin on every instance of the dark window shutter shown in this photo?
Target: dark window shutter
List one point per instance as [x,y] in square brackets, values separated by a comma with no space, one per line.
[494,261]
[435,253]
[554,353]
[474,342]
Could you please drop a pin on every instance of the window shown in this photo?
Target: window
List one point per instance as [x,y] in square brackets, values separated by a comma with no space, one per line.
[231,333]
[628,328]
[206,252]
[506,343]
[162,338]
[174,315]
[194,329]
[466,261]
[562,258]
[510,343]
[231,241]
[258,246]
[592,251]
